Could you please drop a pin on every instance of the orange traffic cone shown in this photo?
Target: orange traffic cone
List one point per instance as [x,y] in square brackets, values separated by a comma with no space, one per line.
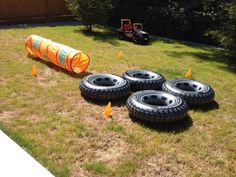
[34,71]
[120,54]
[189,73]
[108,112]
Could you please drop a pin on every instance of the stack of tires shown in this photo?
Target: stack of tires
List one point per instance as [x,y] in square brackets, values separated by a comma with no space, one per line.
[154,99]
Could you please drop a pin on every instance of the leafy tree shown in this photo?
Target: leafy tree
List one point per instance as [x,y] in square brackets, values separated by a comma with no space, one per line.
[90,12]
[225,34]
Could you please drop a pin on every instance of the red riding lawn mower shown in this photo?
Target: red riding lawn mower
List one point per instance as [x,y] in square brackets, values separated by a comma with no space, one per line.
[134,32]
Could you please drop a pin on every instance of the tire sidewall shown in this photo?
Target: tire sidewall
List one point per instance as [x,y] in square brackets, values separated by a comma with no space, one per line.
[127,75]
[93,91]
[136,98]
[204,96]
[158,114]
[88,82]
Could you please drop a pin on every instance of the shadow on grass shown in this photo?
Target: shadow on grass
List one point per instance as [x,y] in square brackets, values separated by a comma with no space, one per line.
[101,34]
[208,107]
[118,102]
[174,127]
[153,39]
[109,35]
[187,43]
[59,69]
[211,55]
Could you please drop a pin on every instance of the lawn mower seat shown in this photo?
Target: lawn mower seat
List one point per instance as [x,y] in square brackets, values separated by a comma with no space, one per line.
[126,27]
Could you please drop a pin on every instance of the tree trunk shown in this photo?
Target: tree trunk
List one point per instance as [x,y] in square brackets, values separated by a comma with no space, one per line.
[89,27]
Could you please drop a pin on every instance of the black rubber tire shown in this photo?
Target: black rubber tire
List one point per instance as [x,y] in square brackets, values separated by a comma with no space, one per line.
[104,87]
[144,80]
[135,40]
[121,36]
[193,92]
[156,106]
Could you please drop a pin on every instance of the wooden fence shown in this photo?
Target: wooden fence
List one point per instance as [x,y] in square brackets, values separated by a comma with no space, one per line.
[27,11]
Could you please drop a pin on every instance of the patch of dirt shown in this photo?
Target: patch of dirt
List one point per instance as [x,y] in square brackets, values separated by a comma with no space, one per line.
[160,165]
[34,118]
[3,82]
[111,148]
[81,172]
[100,146]
[121,116]
[6,115]
[21,56]
[108,147]
[92,113]
[52,130]
[44,78]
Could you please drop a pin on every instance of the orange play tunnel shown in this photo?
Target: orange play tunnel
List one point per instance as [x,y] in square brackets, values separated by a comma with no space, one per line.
[61,55]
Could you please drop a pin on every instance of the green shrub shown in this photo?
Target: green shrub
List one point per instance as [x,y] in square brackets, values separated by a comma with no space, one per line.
[90,12]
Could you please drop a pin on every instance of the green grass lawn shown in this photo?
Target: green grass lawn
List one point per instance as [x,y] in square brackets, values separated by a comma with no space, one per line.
[49,118]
